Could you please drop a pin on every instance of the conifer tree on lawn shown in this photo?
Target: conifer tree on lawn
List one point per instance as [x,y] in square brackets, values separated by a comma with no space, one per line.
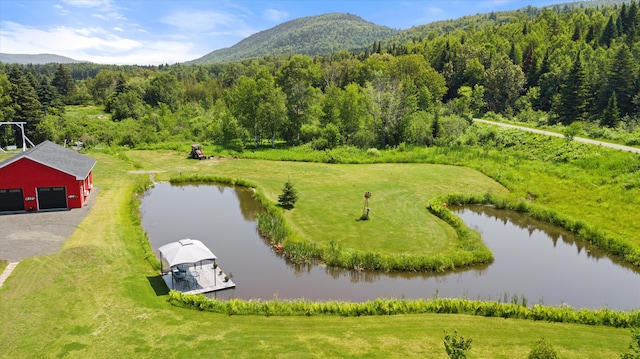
[288,197]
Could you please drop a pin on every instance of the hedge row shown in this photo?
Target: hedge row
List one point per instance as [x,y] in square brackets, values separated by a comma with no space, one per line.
[562,314]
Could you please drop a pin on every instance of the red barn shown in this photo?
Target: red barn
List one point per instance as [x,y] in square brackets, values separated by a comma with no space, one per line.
[45,177]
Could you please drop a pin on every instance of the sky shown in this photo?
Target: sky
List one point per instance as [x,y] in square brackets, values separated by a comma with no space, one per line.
[153,32]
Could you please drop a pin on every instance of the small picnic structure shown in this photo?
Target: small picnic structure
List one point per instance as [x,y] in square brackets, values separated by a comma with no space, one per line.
[192,268]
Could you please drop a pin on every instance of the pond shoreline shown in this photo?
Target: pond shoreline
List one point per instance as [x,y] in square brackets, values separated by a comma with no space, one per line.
[264,274]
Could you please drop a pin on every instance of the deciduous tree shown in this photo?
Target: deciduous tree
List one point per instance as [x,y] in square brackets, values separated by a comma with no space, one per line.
[504,81]
[164,88]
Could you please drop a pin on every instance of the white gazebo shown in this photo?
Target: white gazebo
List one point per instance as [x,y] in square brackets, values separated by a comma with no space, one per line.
[184,252]
[180,256]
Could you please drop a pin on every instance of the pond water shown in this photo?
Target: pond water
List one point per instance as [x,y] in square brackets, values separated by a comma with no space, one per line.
[532,259]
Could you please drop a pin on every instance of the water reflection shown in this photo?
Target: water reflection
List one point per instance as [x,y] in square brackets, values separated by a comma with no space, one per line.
[532,259]
[536,228]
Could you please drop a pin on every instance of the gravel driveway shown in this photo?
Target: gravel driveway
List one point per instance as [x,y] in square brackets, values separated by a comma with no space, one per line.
[577,139]
[33,234]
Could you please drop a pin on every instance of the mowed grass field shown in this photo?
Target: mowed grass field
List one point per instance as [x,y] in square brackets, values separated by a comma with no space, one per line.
[95,299]
[331,197]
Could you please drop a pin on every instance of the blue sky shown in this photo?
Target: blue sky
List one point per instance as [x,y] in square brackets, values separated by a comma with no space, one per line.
[151,32]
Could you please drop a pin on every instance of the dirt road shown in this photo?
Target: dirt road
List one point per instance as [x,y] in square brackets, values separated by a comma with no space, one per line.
[579,139]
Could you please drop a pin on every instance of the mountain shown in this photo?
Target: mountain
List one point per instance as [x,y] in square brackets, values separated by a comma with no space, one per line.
[38,59]
[313,35]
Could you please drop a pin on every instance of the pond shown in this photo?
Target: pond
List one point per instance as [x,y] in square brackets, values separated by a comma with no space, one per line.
[532,259]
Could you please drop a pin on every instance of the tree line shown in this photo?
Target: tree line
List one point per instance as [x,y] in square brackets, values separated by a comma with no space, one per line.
[550,66]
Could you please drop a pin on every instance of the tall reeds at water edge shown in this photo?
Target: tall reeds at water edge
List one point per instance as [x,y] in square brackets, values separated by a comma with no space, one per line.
[300,307]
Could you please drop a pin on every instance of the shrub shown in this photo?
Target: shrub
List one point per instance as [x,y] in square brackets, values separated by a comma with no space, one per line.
[373,152]
[543,350]
[455,346]
[634,347]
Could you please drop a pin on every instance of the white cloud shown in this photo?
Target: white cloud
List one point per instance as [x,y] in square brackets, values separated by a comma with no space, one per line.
[117,28]
[87,3]
[93,44]
[209,24]
[25,39]
[114,15]
[106,10]
[434,10]
[152,53]
[275,15]
[497,2]
[199,20]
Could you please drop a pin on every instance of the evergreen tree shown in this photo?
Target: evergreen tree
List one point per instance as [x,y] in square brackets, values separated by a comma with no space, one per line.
[63,81]
[609,33]
[514,55]
[611,115]
[25,103]
[573,95]
[435,126]
[622,18]
[621,79]
[577,33]
[289,196]
[6,108]
[591,35]
[48,96]
[530,67]
[121,84]
[632,22]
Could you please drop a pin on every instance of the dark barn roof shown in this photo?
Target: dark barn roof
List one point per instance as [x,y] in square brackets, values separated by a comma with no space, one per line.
[57,157]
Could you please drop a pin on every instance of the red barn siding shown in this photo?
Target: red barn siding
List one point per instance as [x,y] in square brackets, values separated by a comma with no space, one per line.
[29,175]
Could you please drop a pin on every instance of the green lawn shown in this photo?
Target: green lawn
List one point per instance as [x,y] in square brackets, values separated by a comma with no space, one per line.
[95,299]
[331,197]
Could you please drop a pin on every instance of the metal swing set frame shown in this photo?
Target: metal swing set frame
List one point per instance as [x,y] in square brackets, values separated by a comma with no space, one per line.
[25,139]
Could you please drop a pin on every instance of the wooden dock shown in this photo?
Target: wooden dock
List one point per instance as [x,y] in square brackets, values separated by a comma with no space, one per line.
[199,279]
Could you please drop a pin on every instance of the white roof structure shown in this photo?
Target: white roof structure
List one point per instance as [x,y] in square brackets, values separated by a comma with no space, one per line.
[185,251]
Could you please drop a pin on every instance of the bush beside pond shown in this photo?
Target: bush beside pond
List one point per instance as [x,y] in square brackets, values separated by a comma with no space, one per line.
[299,307]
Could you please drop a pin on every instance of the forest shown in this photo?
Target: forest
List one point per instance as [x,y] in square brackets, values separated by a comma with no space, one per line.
[568,68]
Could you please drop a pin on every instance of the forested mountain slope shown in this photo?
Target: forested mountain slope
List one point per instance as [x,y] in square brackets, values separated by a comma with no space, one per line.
[552,66]
[314,35]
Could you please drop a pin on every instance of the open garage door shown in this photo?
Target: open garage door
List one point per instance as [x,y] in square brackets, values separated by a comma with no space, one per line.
[52,198]
[11,200]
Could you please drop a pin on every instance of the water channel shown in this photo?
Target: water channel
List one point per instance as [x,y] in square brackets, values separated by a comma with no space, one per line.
[532,259]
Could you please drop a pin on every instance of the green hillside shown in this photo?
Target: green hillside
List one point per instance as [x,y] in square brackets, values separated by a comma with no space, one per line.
[42,59]
[314,35]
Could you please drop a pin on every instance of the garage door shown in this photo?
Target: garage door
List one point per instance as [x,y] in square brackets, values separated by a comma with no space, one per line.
[11,199]
[52,198]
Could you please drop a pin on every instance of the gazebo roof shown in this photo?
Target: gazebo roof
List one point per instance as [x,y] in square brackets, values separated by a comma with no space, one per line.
[186,251]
